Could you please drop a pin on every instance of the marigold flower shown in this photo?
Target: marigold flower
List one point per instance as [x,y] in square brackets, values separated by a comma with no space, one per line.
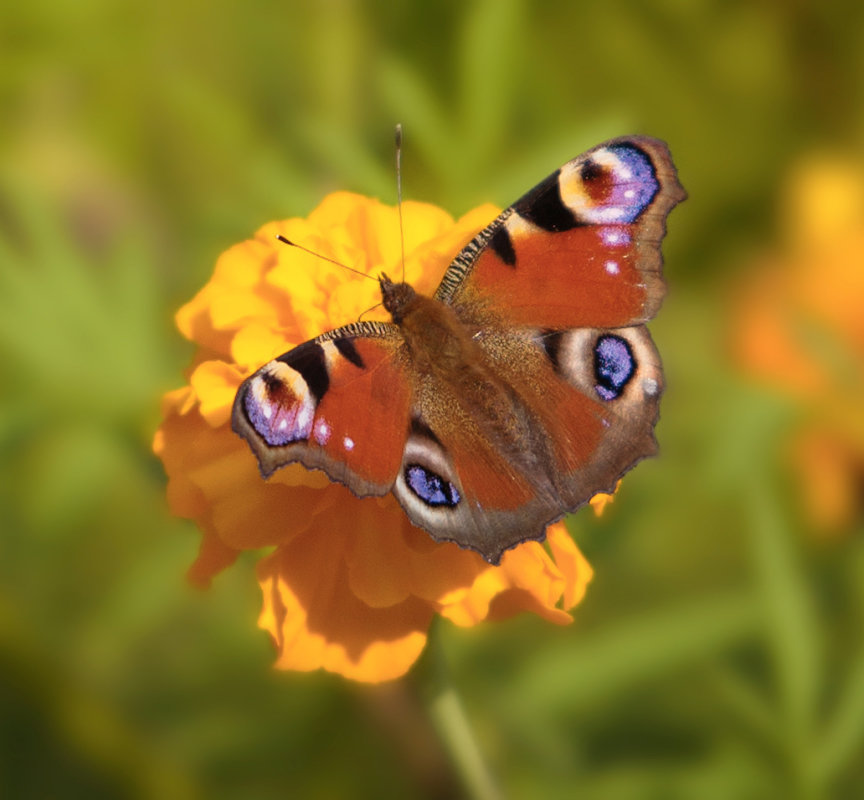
[350,585]
[800,327]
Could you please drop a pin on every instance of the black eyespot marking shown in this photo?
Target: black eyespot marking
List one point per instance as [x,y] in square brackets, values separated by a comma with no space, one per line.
[271,382]
[308,359]
[544,207]
[348,351]
[551,341]
[431,488]
[503,246]
[614,366]
[590,171]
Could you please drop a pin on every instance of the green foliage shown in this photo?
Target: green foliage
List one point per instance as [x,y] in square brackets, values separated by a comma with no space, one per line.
[718,653]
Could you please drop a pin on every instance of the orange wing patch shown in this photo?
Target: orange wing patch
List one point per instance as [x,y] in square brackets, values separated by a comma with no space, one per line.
[574,278]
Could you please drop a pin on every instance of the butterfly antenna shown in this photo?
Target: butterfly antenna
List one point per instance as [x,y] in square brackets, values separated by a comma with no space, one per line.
[399,193]
[282,239]
[367,311]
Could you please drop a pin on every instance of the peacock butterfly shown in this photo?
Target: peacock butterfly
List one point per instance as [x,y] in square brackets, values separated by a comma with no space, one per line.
[524,386]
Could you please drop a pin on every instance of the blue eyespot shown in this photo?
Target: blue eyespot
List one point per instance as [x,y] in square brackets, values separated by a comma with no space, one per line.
[636,182]
[431,488]
[614,366]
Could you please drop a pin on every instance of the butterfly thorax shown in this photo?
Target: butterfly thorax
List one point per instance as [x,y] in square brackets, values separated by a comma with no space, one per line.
[439,343]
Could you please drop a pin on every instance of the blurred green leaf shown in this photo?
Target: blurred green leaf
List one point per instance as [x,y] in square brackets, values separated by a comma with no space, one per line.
[67,320]
[842,740]
[586,670]
[792,622]
[489,76]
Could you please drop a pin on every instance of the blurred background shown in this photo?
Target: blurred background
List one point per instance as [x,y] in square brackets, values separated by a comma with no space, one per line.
[719,651]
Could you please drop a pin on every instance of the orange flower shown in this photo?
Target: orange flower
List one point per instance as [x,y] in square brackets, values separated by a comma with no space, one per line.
[801,328]
[350,585]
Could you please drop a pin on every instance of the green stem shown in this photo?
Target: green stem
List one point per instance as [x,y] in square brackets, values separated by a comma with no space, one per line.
[793,629]
[448,717]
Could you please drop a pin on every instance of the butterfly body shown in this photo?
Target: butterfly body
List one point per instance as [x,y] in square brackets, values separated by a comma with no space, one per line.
[527,384]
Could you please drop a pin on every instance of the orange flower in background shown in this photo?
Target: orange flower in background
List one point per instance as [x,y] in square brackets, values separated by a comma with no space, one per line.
[351,585]
[801,327]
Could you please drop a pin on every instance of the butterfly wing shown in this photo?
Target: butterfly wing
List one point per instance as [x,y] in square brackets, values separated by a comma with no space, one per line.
[339,403]
[554,292]
[581,249]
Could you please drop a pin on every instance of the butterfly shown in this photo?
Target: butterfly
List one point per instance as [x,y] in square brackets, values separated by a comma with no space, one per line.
[527,384]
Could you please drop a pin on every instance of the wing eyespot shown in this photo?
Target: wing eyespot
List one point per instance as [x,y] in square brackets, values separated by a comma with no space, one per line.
[279,405]
[430,487]
[614,366]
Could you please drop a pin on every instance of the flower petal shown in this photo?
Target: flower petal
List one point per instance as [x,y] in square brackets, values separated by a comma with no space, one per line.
[316,621]
[214,478]
[602,499]
[256,344]
[574,566]
[215,383]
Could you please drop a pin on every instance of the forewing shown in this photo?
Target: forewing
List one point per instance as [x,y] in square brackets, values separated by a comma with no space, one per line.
[337,403]
[581,249]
